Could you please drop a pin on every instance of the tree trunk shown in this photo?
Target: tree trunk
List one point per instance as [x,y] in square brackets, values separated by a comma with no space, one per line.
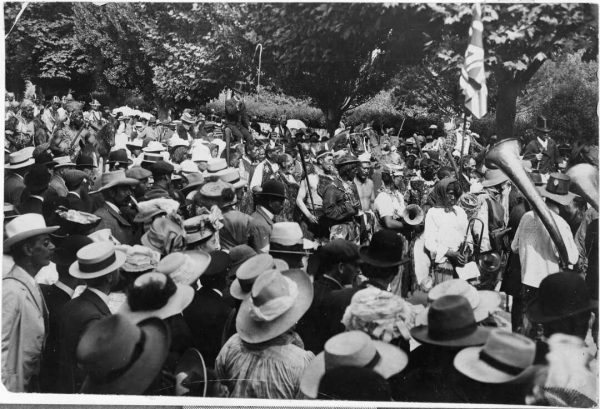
[333,115]
[506,105]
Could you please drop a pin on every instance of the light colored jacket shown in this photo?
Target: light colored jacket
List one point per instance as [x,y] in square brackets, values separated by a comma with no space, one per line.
[23,330]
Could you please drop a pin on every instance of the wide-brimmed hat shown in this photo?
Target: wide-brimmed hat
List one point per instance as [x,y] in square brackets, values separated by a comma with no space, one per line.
[385,249]
[413,214]
[187,118]
[216,165]
[188,166]
[63,161]
[25,226]
[557,189]
[167,300]
[149,209]
[215,190]
[347,160]
[140,259]
[483,302]
[184,267]
[352,348]
[505,357]
[120,357]
[20,159]
[199,227]
[541,124]
[249,270]
[115,178]
[10,212]
[239,254]
[450,323]
[135,144]
[164,236]
[195,180]
[290,291]
[201,154]
[154,147]
[232,176]
[286,234]
[177,142]
[191,375]
[96,260]
[138,173]
[119,156]
[272,188]
[559,296]
[494,177]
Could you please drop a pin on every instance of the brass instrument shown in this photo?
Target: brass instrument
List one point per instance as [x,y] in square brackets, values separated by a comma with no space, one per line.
[413,214]
[584,182]
[504,155]
[463,248]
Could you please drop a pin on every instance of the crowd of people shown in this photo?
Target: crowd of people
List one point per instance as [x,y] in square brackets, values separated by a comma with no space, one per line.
[202,256]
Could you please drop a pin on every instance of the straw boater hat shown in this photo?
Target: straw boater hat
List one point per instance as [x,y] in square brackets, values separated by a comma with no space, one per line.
[63,161]
[505,357]
[120,357]
[154,147]
[23,227]
[557,189]
[10,212]
[352,348]
[167,301]
[199,228]
[482,302]
[195,180]
[184,267]
[249,270]
[20,159]
[109,180]
[96,260]
[232,176]
[450,323]
[276,302]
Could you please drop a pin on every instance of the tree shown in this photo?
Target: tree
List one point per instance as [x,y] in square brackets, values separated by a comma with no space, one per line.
[43,47]
[518,39]
[338,55]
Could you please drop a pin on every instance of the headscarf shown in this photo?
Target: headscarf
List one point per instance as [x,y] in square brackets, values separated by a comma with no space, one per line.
[438,196]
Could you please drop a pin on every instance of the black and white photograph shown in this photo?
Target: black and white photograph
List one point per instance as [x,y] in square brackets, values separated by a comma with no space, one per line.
[300,203]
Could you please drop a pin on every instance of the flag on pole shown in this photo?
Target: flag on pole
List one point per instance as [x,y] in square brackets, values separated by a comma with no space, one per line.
[472,74]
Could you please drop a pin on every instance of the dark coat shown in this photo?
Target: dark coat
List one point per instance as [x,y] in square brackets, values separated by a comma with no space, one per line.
[260,229]
[318,324]
[30,204]
[340,206]
[207,316]
[74,318]
[13,188]
[77,203]
[550,156]
[55,299]
[121,229]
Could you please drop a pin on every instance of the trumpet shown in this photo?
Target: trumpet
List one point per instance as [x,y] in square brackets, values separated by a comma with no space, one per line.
[504,155]
[463,248]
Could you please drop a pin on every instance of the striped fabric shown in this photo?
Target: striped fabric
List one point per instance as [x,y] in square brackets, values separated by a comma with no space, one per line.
[472,75]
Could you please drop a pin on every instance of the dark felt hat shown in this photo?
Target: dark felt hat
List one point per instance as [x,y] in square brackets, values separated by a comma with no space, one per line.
[74,178]
[162,168]
[385,249]
[45,158]
[66,253]
[220,262]
[451,323]
[118,156]
[560,295]
[37,178]
[272,188]
[347,160]
[85,162]
[557,189]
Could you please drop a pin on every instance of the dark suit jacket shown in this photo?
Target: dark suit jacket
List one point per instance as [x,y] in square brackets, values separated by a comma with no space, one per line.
[121,229]
[13,188]
[30,204]
[76,203]
[206,317]
[74,318]
[55,299]
[550,156]
[260,229]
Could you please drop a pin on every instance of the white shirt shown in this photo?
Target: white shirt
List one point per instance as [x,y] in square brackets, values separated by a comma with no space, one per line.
[444,231]
[388,204]
[257,177]
[537,252]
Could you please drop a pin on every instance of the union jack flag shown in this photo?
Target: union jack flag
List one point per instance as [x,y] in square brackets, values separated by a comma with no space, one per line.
[472,74]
